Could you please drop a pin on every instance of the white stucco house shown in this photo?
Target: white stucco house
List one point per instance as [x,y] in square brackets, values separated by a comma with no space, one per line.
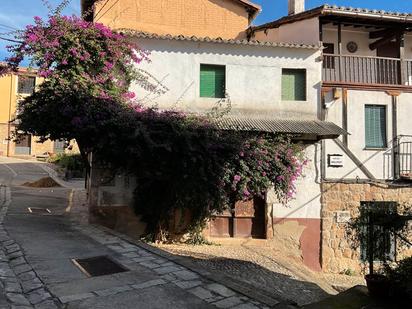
[338,79]
[366,89]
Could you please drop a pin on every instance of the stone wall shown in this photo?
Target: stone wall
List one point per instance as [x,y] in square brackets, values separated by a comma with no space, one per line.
[337,254]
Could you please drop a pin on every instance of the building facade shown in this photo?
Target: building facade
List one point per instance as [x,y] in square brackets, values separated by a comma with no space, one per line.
[308,74]
[13,88]
[366,89]
[270,87]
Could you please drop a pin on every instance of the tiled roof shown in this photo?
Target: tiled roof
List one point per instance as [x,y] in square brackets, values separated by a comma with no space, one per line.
[250,4]
[147,35]
[382,13]
[322,129]
[335,10]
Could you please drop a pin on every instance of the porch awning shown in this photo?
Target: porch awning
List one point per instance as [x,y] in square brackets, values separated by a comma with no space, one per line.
[320,129]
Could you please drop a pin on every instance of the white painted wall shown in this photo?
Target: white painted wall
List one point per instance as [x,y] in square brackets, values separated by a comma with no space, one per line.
[378,162]
[253,80]
[253,77]
[306,203]
[302,32]
[330,35]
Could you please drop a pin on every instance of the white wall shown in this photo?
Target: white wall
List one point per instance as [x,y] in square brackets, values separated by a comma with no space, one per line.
[378,162]
[306,203]
[361,37]
[301,32]
[253,77]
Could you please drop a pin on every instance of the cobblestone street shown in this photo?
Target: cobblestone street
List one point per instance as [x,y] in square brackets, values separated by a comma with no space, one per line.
[36,270]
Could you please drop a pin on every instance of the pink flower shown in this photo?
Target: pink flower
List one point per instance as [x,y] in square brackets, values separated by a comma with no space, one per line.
[130,95]
[45,73]
[32,38]
[237,178]
[246,193]
[280,178]
[74,51]
[242,154]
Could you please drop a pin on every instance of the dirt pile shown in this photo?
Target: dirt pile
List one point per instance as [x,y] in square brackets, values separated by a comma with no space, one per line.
[46,182]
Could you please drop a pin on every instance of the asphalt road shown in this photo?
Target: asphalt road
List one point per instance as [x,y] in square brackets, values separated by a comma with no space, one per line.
[51,240]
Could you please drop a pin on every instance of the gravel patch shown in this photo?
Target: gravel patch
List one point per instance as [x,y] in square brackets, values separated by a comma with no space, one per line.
[260,264]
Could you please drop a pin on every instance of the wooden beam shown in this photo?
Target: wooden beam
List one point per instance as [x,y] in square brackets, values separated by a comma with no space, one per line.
[345,115]
[401,41]
[382,41]
[382,33]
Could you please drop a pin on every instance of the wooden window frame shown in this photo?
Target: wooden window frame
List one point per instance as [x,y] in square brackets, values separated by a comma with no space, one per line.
[218,95]
[302,70]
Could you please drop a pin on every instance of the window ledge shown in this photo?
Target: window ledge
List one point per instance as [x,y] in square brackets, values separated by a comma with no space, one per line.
[295,101]
[376,148]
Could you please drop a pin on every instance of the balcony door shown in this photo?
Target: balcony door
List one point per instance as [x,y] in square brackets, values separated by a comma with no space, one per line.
[389,71]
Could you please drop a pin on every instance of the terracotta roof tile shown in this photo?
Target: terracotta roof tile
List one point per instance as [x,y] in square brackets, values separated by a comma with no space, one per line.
[147,35]
[335,10]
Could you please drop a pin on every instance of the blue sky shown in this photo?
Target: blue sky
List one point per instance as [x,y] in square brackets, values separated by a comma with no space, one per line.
[18,13]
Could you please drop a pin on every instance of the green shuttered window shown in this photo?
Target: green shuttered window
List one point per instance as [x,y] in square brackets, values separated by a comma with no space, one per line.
[212,81]
[293,85]
[375,126]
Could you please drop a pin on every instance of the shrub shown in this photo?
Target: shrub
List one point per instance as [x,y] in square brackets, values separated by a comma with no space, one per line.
[401,276]
[71,162]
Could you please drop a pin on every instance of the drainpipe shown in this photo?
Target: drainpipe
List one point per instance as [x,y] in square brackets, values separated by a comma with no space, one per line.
[395,149]
[9,116]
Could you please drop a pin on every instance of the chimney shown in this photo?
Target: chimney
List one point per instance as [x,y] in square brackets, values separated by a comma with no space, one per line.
[296,6]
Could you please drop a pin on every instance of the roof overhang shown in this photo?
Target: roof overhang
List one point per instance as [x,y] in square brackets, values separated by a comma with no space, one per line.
[376,16]
[146,35]
[309,128]
[252,8]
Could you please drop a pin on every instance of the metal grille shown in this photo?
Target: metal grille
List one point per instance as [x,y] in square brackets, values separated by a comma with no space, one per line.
[99,266]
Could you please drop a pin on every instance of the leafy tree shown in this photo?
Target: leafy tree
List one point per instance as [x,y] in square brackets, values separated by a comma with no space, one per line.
[87,69]
[180,161]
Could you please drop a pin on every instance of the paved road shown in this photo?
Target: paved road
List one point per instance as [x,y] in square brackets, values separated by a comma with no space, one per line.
[40,249]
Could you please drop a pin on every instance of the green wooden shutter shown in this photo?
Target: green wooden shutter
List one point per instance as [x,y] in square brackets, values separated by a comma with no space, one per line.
[375,126]
[293,85]
[212,81]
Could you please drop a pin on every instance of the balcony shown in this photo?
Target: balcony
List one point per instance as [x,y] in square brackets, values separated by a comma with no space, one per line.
[366,71]
[403,157]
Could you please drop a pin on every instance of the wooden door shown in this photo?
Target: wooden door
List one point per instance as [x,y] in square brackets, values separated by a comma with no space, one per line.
[246,219]
[388,71]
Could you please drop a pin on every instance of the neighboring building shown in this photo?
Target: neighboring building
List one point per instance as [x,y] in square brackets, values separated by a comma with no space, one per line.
[226,19]
[271,86]
[366,88]
[14,87]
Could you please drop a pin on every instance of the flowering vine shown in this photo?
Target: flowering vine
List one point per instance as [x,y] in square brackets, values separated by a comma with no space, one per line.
[180,161]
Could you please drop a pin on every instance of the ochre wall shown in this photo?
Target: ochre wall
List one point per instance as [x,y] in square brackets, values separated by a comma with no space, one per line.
[8,105]
[212,18]
[337,254]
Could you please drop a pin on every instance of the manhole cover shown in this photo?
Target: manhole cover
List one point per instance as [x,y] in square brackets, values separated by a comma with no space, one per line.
[98,266]
[35,210]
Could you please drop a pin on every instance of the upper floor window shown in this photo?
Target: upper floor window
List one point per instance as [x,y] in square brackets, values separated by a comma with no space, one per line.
[293,84]
[375,126]
[26,84]
[212,81]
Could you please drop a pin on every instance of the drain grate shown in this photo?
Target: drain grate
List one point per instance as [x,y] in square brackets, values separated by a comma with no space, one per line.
[99,266]
[35,210]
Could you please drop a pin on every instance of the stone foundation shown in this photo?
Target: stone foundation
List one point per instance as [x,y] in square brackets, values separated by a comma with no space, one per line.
[337,254]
